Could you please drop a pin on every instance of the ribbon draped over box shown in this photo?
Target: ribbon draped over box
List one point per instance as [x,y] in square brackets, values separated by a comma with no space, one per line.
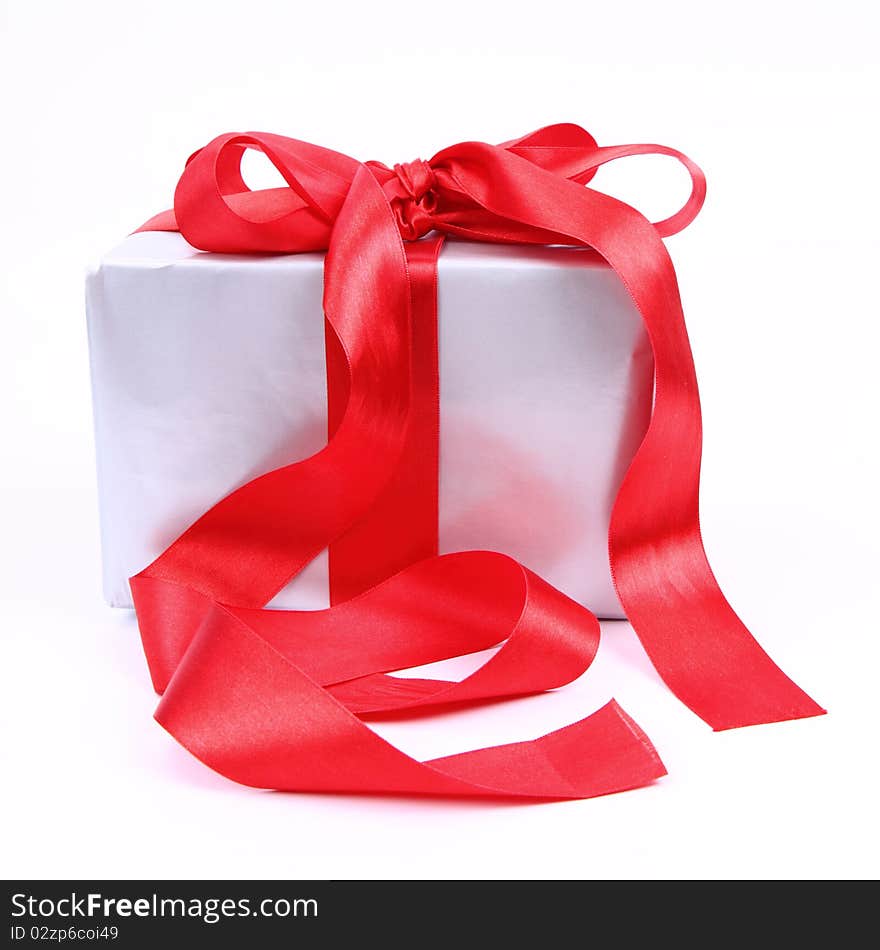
[277,699]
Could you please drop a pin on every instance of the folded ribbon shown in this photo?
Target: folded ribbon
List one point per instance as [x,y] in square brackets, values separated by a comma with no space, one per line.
[277,698]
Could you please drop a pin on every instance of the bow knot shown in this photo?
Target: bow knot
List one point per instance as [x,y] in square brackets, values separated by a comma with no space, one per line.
[413,198]
[417,178]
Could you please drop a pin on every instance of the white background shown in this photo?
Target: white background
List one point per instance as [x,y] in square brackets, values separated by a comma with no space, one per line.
[777,101]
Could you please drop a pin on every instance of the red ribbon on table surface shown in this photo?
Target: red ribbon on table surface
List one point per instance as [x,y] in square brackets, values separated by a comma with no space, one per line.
[277,699]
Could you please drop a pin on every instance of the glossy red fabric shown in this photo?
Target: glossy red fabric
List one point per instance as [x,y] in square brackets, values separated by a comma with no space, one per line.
[276,699]
[401,526]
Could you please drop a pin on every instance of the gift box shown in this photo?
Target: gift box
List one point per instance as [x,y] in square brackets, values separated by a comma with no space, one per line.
[209,369]
[450,432]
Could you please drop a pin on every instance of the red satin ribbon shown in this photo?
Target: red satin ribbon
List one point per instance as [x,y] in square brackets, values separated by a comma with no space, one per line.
[276,698]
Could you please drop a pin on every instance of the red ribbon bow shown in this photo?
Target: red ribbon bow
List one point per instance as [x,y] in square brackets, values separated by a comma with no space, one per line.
[277,698]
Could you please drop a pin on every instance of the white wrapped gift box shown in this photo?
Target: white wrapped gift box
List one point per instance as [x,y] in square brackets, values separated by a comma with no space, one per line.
[209,369]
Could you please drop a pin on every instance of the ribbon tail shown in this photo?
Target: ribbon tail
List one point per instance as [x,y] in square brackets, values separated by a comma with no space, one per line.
[697,643]
[301,739]
[667,589]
